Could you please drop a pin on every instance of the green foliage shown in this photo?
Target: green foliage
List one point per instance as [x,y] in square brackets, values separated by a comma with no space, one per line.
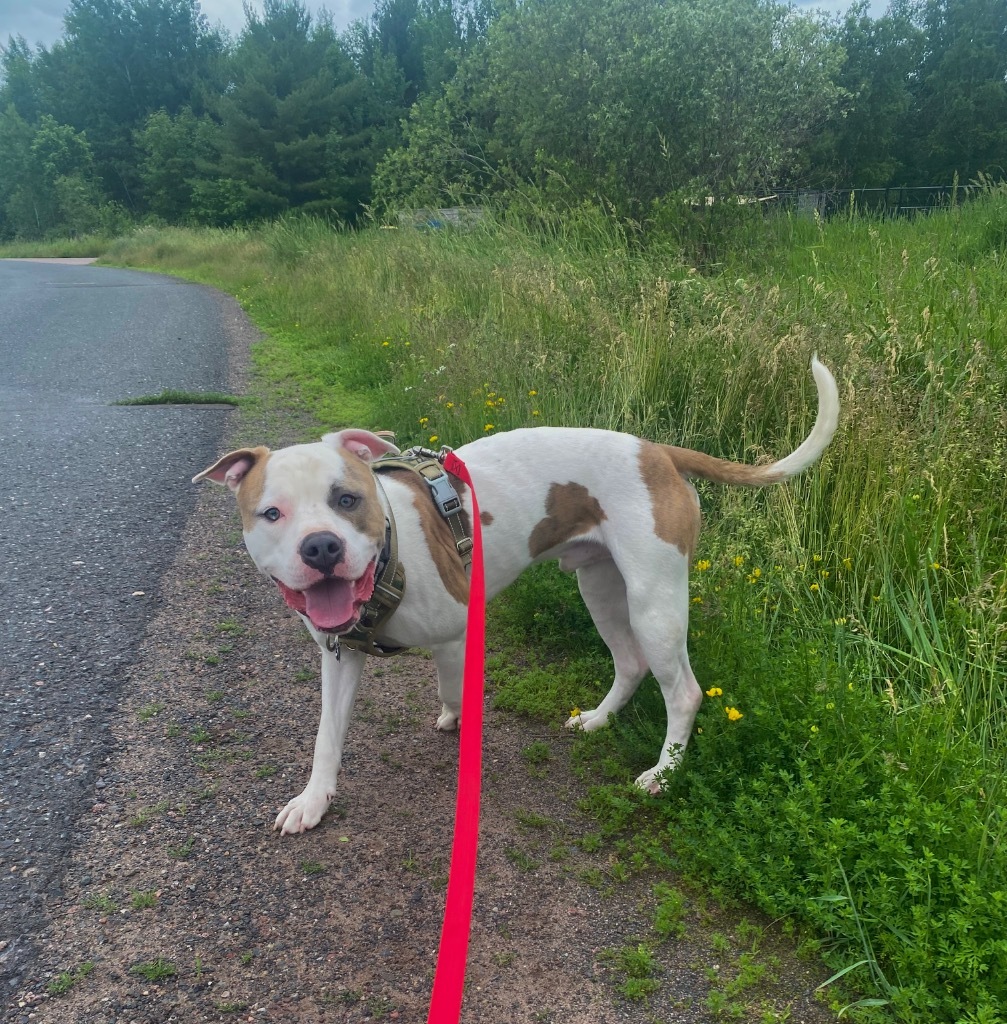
[669,912]
[143,112]
[961,89]
[635,966]
[48,182]
[155,970]
[627,99]
[867,140]
[66,980]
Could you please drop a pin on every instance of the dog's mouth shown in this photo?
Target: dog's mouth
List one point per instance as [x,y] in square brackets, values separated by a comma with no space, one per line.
[331,605]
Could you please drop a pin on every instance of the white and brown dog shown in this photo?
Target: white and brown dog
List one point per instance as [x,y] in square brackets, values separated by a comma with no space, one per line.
[617,510]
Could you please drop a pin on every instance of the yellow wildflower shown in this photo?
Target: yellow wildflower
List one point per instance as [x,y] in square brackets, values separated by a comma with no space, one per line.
[715,691]
[489,426]
[424,420]
[739,560]
[734,714]
[702,565]
[848,564]
[697,599]
[532,393]
[535,412]
[434,438]
[814,587]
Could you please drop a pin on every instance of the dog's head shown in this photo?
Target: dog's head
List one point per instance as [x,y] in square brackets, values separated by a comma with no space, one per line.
[313,520]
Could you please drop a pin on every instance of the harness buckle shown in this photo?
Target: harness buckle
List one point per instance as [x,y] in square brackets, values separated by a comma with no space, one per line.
[445,496]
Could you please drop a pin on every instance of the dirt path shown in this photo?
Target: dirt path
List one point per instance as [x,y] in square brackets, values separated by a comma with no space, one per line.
[177,867]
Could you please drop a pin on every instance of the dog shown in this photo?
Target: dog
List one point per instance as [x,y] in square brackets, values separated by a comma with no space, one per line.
[616,509]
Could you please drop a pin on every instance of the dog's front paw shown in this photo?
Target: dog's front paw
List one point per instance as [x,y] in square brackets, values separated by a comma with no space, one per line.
[586,720]
[650,780]
[303,812]
[447,720]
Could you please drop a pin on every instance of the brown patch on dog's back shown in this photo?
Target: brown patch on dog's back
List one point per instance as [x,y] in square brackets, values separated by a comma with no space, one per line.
[675,510]
[486,518]
[439,538]
[571,510]
[250,489]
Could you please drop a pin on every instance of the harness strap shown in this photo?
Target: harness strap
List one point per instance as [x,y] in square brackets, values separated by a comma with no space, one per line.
[390,582]
[389,586]
[428,464]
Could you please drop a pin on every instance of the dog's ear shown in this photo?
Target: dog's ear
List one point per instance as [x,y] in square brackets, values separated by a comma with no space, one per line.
[362,443]
[231,469]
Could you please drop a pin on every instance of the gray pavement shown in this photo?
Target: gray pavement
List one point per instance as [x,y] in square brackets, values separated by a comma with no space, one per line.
[92,501]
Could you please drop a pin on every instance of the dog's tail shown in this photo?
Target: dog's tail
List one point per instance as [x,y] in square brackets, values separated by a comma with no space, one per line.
[692,463]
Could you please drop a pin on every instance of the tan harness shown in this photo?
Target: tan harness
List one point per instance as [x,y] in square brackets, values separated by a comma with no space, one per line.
[390,578]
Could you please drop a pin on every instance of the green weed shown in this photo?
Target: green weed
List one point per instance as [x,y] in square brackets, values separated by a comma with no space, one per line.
[155,970]
[66,980]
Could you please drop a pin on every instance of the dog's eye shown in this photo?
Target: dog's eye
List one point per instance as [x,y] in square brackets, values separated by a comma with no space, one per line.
[348,500]
[272,514]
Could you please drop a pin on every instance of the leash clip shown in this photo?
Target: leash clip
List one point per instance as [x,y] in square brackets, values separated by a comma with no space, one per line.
[332,645]
[440,456]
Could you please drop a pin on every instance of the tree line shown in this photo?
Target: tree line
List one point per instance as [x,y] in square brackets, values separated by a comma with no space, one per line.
[141,110]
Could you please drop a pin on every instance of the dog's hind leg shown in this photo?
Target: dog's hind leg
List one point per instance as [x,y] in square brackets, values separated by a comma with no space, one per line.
[450,661]
[604,591]
[661,627]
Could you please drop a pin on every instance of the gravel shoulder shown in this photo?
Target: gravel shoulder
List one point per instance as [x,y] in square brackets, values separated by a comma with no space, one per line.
[175,862]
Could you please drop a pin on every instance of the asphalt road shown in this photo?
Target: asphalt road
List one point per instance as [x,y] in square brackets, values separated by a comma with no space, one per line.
[93,498]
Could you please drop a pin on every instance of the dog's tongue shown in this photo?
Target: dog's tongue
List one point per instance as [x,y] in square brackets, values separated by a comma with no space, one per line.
[329,604]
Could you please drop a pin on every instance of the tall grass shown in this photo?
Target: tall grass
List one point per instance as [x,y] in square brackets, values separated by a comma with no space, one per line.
[857,616]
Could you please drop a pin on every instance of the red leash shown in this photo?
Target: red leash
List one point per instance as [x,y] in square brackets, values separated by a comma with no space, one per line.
[449,979]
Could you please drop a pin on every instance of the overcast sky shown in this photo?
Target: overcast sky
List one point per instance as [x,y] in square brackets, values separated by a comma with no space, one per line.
[41,21]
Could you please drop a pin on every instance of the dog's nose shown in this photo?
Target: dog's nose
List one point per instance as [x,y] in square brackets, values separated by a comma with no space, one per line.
[322,551]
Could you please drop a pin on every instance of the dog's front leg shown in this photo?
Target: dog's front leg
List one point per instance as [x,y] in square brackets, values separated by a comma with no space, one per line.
[450,661]
[340,678]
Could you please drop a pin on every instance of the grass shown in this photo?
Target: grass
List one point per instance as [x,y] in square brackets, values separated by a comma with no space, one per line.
[145,900]
[169,397]
[90,245]
[102,903]
[155,970]
[66,980]
[856,618]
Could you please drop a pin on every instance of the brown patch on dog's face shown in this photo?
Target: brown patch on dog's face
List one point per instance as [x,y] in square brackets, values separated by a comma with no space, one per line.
[571,510]
[438,535]
[673,501]
[365,512]
[250,489]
